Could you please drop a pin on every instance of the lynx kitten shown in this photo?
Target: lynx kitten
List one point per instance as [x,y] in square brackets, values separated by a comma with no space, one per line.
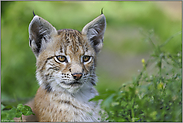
[66,61]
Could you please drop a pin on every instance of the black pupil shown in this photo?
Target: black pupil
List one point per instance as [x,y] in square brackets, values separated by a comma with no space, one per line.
[86,58]
[61,58]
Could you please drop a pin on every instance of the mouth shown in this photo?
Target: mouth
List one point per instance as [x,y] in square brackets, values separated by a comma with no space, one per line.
[75,83]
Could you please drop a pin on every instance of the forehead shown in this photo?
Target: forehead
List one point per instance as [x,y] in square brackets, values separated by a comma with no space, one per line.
[69,41]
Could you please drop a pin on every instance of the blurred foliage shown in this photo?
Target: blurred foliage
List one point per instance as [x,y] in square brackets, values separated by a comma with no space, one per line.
[154,95]
[8,113]
[128,23]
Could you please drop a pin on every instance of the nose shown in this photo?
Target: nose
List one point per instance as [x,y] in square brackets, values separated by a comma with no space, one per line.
[77,76]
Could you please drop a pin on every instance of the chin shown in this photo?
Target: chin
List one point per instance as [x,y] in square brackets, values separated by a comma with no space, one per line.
[71,88]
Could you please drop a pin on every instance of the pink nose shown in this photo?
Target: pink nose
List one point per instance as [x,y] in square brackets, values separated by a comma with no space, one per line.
[77,76]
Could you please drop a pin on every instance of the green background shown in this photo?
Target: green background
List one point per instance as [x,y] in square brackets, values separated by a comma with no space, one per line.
[125,43]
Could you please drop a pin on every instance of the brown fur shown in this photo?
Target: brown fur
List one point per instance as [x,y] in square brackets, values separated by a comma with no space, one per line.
[52,112]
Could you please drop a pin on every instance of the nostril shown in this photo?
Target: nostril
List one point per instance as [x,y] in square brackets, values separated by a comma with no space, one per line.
[69,69]
[77,76]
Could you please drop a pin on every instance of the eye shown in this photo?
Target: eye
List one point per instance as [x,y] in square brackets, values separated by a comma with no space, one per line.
[86,58]
[61,59]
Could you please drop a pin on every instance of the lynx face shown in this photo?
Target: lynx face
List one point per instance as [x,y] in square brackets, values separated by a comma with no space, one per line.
[66,58]
[68,62]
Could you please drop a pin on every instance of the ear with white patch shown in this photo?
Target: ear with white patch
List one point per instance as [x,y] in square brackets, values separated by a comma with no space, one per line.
[40,33]
[95,32]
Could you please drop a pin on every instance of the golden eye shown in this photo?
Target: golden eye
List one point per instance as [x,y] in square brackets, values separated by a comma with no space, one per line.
[61,58]
[86,58]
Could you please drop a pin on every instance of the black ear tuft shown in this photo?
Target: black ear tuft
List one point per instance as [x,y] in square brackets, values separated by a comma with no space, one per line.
[102,11]
[33,13]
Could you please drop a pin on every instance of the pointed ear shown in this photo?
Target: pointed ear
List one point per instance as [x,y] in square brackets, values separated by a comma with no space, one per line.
[40,33]
[95,32]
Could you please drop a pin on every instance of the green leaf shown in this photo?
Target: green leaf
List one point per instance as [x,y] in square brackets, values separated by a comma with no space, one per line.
[18,114]
[103,96]
[26,110]
[28,113]
[11,113]
[2,107]
[3,115]
[20,107]
[107,102]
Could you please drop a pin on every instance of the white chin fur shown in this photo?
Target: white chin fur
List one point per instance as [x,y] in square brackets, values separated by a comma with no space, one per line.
[71,88]
[84,91]
[59,87]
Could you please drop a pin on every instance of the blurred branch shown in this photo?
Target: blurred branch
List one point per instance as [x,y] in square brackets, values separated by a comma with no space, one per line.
[170,38]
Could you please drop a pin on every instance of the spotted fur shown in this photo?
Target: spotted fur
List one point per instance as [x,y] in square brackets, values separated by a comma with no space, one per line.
[66,80]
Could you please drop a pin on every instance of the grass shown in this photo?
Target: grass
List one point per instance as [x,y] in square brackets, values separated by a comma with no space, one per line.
[152,96]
